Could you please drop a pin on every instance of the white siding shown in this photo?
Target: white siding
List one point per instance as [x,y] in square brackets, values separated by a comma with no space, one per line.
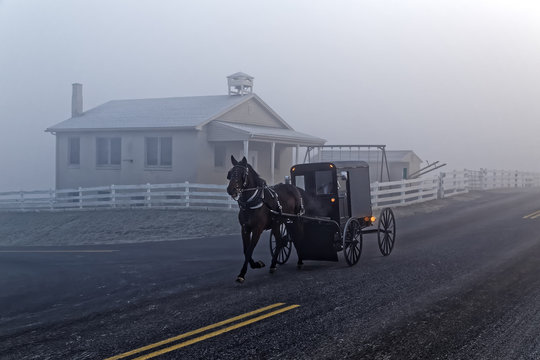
[132,168]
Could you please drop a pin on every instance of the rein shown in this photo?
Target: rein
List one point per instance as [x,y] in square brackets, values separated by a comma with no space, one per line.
[256,200]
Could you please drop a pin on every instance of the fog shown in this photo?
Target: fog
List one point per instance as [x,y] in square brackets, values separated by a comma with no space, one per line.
[455,81]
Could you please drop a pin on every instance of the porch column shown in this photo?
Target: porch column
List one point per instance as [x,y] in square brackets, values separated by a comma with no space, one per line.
[273,162]
[297,154]
[246,148]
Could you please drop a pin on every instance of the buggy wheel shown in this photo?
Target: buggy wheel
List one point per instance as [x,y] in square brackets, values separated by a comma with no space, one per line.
[352,241]
[386,231]
[285,249]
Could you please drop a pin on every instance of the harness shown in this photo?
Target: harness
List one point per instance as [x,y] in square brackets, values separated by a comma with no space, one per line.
[257,199]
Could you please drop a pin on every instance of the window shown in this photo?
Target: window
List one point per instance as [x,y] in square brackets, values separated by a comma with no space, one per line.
[323,182]
[300,182]
[219,155]
[108,151]
[158,151]
[74,151]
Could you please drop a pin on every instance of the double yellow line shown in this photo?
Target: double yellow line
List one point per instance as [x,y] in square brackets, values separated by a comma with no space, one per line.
[204,329]
[533,215]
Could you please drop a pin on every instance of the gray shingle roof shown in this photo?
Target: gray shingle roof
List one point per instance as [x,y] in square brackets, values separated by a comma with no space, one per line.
[256,132]
[180,112]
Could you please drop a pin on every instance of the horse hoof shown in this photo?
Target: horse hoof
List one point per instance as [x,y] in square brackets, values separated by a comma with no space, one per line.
[272,270]
[261,264]
[240,280]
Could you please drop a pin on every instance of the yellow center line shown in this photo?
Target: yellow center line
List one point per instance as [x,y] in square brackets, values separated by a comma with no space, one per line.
[57,251]
[182,336]
[215,333]
[532,215]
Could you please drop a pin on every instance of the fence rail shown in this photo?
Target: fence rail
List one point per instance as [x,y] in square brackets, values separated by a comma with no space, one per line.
[182,195]
[189,195]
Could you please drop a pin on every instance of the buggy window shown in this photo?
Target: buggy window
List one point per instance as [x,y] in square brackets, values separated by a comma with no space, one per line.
[323,182]
[300,182]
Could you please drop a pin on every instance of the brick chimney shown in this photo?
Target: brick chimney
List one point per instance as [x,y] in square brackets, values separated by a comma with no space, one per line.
[76,100]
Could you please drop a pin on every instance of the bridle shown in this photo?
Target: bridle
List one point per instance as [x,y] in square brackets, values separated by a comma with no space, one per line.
[256,200]
[235,172]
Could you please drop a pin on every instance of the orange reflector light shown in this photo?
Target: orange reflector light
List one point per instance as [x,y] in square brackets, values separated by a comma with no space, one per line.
[331,165]
[333,199]
[293,168]
[373,219]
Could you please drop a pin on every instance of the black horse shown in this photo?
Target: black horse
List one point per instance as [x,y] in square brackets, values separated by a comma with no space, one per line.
[260,209]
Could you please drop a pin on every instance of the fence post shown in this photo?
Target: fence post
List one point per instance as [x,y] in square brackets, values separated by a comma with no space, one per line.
[21,203]
[51,199]
[80,198]
[113,196]
[422,188]
[440,191]
[375,194]
[187,193]
[402,187]
[148,196]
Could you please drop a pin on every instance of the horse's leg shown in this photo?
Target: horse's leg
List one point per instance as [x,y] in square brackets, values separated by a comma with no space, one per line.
[246,235]
[255,264]
[250,238]
[255,235]
[279,245]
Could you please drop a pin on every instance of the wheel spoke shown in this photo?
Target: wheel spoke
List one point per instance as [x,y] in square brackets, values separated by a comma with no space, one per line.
[386,231]
[280,248]
[352,242]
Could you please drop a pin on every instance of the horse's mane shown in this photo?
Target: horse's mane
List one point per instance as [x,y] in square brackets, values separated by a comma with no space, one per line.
[259,181]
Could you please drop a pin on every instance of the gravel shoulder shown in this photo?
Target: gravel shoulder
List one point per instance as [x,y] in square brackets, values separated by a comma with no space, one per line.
[96,227]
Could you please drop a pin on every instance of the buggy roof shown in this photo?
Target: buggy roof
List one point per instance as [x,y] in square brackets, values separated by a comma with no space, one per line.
[338,165]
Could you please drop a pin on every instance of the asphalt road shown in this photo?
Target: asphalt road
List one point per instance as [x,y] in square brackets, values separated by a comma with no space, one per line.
[463,282]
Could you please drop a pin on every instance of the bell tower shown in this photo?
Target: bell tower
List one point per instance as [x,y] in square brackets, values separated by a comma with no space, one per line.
[240,84]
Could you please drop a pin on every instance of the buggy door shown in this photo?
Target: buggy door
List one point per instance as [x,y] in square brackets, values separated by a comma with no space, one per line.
[317,240]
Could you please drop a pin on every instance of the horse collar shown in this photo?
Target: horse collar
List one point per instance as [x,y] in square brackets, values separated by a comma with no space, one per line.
[255,201]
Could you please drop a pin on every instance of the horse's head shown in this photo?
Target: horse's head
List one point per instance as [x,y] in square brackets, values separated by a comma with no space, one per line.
[238,177]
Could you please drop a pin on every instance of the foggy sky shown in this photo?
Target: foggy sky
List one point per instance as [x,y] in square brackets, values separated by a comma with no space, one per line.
[455,81]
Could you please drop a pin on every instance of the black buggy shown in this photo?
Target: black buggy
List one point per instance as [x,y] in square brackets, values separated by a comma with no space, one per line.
[343,192]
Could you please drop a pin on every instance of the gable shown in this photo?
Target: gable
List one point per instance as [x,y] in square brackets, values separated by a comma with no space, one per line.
[252,112]
[412,157]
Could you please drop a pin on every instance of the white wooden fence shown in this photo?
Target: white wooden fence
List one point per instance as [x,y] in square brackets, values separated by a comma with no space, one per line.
[182,195]
[404,192]
[186,195]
